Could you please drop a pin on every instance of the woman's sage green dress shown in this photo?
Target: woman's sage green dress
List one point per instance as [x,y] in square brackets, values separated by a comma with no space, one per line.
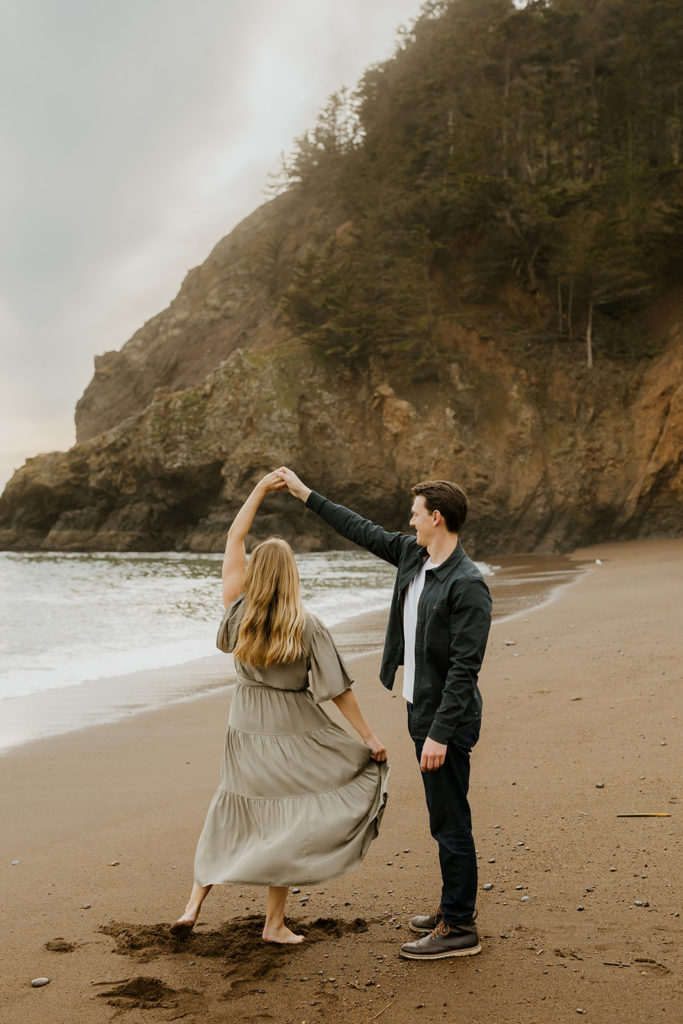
[299,800]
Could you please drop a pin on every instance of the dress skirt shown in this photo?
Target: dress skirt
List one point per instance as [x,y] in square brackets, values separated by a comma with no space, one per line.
[299,800]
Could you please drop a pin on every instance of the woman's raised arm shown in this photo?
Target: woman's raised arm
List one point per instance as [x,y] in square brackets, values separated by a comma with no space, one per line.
[235,558]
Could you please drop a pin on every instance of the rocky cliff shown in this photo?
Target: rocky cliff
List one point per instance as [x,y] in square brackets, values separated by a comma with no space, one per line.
[174,429]
[415,304]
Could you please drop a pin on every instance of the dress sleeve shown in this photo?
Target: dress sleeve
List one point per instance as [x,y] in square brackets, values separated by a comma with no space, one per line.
[230,624]
[329,676]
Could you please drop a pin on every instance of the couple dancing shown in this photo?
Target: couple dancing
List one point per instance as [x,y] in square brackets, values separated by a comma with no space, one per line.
[300,800]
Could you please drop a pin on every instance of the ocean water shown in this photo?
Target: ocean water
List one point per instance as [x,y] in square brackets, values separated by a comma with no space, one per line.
[70,620]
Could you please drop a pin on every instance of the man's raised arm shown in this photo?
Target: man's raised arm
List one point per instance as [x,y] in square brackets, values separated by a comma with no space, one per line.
[347,523]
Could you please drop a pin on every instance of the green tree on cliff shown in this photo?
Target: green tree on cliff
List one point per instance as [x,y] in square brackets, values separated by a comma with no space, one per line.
[540,145]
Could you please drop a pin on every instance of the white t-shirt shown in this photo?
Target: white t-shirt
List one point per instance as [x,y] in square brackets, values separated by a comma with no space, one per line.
[410,603]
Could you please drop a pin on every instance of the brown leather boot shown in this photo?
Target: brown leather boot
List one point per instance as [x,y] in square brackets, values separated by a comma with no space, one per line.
[445,940]
[425,923]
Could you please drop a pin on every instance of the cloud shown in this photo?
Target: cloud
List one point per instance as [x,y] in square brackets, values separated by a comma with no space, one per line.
[134,136]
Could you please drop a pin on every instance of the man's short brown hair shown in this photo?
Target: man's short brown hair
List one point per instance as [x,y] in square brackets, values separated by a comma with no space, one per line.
[444,497]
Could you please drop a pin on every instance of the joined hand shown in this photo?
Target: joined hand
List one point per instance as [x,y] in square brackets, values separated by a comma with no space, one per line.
[293,484]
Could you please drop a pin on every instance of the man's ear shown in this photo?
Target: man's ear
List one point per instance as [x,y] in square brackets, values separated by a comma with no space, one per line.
[436,517]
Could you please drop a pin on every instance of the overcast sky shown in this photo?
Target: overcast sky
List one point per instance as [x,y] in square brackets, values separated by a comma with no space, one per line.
[134,134]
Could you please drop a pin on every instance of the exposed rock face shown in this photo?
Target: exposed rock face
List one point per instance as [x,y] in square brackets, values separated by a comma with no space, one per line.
[225,303]
[551,455]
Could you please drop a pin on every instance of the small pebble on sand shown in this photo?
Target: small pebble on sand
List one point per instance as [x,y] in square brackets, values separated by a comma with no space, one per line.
[488,887]
[599,785]
[39,982]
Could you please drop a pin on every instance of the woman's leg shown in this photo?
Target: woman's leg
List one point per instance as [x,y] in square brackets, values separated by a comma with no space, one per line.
[275,929]
[187,920]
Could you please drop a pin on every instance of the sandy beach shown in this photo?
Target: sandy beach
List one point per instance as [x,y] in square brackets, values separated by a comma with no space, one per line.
[581,725]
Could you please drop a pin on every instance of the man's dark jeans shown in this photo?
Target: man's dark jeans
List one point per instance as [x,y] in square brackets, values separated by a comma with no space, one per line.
[450,823]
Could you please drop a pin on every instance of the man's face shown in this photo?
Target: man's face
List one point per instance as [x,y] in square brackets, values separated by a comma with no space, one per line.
[422,521]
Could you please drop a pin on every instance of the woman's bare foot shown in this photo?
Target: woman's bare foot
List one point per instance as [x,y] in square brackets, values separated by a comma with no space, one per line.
[188,919]
[182,927]
[281,934]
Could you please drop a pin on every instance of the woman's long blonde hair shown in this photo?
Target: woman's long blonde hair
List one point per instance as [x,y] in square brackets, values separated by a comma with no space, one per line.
[272,626]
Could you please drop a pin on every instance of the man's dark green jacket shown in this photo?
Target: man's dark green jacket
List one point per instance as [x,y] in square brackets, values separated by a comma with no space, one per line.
[453,620]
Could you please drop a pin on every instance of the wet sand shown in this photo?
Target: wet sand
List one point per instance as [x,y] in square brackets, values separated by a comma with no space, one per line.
[581,724]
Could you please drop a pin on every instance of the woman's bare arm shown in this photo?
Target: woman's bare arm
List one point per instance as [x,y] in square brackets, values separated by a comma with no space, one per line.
[348,705]
[235,558]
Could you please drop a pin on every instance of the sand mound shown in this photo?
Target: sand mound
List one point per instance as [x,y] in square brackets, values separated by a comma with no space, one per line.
[233,941]
[245,959]
[140,993]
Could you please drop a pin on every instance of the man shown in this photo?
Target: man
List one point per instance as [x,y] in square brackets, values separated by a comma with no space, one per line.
[438,627]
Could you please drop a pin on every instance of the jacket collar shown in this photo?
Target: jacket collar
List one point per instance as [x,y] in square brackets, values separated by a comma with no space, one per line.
[444,568]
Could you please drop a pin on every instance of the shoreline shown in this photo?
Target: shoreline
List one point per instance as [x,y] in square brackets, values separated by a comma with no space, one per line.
[579,727]
[60,710]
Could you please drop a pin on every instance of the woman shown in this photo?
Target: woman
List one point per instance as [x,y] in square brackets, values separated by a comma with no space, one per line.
[299,799]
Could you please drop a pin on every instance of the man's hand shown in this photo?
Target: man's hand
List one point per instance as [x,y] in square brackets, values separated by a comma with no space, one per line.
[293,484]
[271,482]
[433,755]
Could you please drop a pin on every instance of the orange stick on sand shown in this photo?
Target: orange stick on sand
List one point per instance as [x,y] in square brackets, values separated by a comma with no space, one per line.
[645,814]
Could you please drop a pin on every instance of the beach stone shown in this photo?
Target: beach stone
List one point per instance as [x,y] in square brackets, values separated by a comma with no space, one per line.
[15,861]
[492,860]
[39,982]
[599,785]
[261,991]
[509,643]
[525,899]
[295,891]
[639,903]
[580,907]
[487,887]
